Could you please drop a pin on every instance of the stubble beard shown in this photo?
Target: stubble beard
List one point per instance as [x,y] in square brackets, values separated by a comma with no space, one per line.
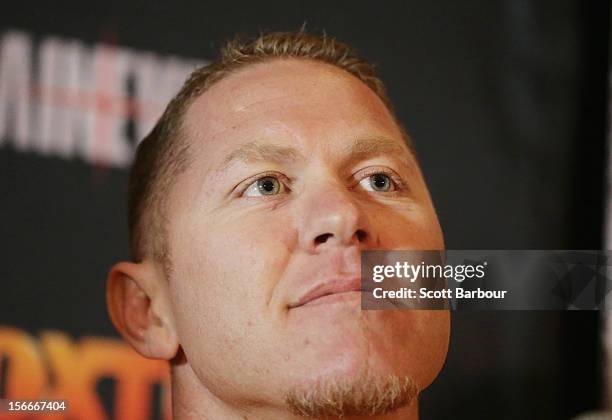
[365,395]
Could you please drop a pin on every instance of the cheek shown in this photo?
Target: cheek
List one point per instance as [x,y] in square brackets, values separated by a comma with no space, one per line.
[220,248]
[413,228]
[224,272]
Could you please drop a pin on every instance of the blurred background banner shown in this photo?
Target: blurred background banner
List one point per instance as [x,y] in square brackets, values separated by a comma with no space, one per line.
[507,104]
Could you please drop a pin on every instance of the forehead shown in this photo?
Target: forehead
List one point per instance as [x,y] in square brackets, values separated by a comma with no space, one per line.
[302,101]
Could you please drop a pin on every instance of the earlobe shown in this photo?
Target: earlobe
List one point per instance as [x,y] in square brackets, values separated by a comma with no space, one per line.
[139,308]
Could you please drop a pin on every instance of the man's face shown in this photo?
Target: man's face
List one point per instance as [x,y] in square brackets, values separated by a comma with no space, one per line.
[297,167]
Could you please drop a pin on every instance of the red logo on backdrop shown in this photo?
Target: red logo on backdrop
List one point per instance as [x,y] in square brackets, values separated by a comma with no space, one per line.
[60,97]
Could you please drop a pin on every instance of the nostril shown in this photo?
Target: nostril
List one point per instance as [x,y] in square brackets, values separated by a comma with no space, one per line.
[361,235]
[321,239]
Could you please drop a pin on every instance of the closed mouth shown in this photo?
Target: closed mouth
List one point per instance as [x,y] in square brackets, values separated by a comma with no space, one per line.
[330,291]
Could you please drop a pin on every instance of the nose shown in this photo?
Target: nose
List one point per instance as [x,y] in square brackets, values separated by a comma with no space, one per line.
[330,217]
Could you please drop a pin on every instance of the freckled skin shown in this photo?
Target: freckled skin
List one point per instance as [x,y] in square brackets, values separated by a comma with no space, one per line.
[238,262]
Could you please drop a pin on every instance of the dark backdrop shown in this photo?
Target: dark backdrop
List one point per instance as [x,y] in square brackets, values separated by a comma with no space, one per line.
[506,101]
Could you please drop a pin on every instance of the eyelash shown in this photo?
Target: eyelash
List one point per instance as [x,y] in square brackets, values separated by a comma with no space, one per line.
[399,183]
[248,182]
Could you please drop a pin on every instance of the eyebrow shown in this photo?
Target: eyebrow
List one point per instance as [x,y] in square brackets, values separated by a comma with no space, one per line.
[361,149]
[369,147]
[261,152]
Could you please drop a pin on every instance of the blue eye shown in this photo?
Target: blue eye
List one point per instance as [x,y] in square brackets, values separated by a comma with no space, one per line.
[267,185]
[377,182]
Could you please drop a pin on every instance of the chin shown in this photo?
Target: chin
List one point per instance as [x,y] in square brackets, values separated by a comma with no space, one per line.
[355,386]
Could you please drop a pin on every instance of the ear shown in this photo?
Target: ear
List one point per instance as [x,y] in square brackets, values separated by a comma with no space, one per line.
[139,307]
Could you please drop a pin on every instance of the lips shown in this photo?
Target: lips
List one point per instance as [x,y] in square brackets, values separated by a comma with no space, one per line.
[328,291]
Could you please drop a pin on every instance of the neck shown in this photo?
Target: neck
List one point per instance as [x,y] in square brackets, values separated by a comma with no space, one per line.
[193,400]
